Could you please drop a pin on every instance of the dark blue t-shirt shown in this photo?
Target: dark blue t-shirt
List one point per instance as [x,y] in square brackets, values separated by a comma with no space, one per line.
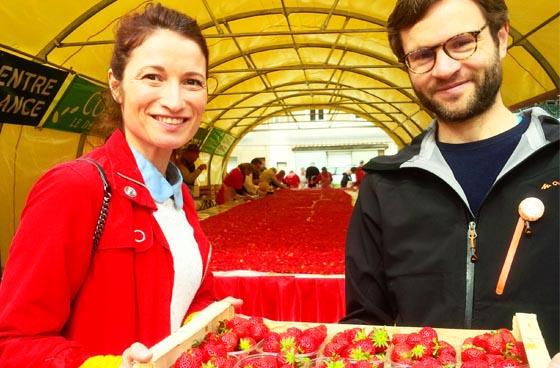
[476,165]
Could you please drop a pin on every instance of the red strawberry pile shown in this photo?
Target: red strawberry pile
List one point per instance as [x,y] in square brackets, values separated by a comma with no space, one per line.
[497,349]
[422,349]
[259,235]
[356,348]
[235,338]
[270,360]
[295,344]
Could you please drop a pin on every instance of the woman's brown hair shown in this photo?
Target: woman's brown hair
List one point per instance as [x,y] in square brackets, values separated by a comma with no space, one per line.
[132,30]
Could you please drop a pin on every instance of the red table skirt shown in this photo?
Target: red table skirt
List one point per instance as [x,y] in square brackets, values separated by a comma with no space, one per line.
[284,297]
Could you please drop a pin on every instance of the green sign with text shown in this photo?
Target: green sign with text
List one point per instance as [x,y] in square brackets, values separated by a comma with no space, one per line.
[213,140]
[224,145]
[78,108]
[199,137]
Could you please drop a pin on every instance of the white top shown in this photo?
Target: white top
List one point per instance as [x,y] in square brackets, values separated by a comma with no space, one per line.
[187,262]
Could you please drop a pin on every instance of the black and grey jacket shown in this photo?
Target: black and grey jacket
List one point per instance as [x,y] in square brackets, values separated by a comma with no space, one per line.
[412,236]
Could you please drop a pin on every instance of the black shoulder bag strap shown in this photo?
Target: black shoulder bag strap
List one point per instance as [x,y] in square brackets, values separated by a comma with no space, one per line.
[104,205]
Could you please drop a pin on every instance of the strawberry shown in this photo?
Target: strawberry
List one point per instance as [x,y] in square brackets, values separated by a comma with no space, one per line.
[428,333]
[362,364]
[262,362]
[197,353]
[331,363]
[481,341]
[334,348]
[516,351]
[293,331]
[413,339]
[364,345]
[422,350]
[428,362]
[305,343]
[377,361]
[360,335]
[447,359]
[494,359]
[287,342]
[380,339]
[246,343]
[477,363]
[211,336]
[351,333]
[288,356]
[507,363]
[496,344]
[401,354]
[271,343]
[443,347]
[188,360]
[230,340]
[472,354]
[319,333]
[239,325]
[342,338]
[219,362]
[399,339]
[256,320]
[258,331]
[506,335]
[357,354]
[211,349]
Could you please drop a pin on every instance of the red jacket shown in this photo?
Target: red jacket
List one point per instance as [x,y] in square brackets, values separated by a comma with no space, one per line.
[58,307]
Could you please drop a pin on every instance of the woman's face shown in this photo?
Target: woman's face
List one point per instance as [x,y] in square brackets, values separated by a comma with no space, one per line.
[162,94]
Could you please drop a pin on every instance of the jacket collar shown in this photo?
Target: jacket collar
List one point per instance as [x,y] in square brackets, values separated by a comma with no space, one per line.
[161,188]
[543,130]
[124,174]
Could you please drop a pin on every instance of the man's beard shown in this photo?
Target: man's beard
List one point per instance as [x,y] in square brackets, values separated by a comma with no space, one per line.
[487,86]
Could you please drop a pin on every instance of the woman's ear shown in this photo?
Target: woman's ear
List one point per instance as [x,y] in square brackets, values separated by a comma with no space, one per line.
[114,86]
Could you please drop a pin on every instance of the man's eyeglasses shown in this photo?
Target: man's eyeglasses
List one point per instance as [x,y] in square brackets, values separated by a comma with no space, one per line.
[458,47]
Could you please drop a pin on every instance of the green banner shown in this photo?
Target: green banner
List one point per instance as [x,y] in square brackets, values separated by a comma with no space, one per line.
[78,108]
[224,145]
[200,136]
[213,140]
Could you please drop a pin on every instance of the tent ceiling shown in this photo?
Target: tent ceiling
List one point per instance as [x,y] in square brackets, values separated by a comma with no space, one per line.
[275,57]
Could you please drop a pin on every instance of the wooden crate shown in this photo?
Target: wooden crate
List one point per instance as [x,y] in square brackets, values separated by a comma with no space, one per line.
[168,350]
[524,327]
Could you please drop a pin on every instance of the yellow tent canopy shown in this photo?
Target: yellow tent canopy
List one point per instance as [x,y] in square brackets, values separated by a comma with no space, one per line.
[267,58]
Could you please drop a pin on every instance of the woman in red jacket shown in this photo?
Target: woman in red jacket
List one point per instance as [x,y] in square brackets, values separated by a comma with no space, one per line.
[65,304]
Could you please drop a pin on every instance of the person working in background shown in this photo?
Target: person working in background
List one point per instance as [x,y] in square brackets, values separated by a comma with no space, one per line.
[233,185]
[432,225]
[186,163]
[68,301]
[292,180]
[312,176]
[268,181]
[325,178]
[251,184]
[346,178]
[359,174]
[280,175]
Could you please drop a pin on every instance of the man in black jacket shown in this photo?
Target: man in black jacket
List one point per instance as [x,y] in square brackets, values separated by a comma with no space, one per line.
[432,224]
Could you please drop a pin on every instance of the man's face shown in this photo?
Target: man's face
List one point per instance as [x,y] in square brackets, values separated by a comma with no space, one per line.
[456,90]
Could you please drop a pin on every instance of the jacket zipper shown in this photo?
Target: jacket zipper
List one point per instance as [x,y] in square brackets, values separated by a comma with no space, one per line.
[471,258]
